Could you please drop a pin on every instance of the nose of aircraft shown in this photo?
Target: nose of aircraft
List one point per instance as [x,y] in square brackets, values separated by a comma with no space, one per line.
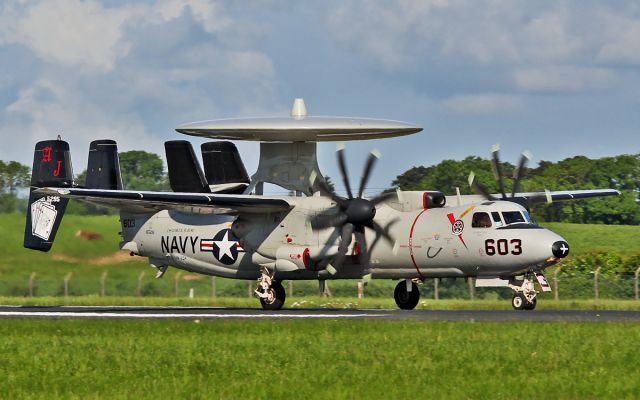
[560,249]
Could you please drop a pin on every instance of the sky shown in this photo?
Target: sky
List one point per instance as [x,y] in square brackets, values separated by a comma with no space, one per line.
[559,78]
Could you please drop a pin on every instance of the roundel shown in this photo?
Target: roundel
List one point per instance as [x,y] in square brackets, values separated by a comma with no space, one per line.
[224,246]
[458,227]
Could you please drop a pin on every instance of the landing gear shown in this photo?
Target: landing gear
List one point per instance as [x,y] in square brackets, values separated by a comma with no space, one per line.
[406,295]
[270,292]
[525,294]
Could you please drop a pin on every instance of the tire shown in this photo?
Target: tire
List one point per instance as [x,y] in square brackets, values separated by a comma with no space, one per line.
[518,302]
[279,296]
[531,305]
[406,300]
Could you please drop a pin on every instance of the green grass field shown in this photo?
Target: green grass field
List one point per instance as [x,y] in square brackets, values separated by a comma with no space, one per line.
[317,359]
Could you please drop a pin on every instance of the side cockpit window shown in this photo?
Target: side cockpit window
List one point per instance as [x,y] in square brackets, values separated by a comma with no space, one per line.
[496,218]
[512,217]
[481,220]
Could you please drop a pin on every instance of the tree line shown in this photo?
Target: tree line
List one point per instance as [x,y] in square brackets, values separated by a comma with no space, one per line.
[142,170]
[579,172]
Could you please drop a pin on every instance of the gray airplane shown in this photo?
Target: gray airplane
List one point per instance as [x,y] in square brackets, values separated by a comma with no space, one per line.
[217,222]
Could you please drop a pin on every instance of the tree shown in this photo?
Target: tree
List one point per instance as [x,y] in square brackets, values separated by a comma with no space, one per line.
[142,171]
[13,177]
[620,172]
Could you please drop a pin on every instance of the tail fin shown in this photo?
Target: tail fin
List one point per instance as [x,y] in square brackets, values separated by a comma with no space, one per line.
[51,168]
[185,174]
[103,167]
[223,167]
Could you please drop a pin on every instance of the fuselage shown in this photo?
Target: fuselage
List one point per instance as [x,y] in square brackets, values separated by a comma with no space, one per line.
[486,239]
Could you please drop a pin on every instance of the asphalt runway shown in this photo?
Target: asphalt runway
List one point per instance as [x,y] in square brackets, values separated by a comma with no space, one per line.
[60,312]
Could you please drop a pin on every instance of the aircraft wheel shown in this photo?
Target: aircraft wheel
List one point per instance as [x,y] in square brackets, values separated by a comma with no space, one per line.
[406,300]
[277,299]
[518,302]
[531,305]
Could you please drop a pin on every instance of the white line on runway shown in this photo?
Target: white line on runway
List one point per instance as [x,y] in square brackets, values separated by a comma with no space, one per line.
[67,314]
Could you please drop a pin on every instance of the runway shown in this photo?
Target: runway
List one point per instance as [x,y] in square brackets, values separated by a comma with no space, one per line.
[63,312]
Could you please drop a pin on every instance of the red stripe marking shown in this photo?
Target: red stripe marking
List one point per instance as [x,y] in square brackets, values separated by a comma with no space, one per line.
[413,259]
[452,219]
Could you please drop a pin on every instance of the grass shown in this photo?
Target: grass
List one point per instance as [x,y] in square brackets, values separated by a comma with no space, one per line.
[319,302]
[316,359]
[588,238]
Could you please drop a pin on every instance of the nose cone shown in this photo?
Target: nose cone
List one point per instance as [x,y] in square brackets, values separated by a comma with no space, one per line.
[560,249]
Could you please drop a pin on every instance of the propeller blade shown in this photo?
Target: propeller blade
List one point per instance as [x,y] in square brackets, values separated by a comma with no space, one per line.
[366,173]
[384,232]
[343,170]
[382,197]
[345,241]
[324,189]
[478,188]
[327,220]
[519,173]
[363,251]
[497,170]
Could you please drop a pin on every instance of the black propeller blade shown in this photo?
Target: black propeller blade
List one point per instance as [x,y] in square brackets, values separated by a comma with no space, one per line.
[517,178]
[353,215]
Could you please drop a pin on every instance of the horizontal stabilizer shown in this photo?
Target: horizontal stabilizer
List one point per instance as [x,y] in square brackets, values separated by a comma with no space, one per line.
[199,203]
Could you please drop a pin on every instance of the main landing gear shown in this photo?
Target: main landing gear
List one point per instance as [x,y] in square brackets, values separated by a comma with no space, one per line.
[270,292]
[406,294]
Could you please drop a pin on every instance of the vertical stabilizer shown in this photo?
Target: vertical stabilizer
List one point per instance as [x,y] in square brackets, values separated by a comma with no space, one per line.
[51,168]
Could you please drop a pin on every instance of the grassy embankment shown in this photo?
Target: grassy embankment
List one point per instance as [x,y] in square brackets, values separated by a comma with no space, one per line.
[88,260]
[317,359]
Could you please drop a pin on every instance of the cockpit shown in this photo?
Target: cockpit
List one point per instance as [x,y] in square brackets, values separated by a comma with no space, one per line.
[497,219]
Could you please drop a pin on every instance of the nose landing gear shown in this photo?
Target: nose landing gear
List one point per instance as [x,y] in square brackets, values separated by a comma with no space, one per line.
[525,294]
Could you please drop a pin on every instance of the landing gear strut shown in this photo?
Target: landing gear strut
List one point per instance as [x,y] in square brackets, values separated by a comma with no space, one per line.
[270,292]
[406,294]
[525,294]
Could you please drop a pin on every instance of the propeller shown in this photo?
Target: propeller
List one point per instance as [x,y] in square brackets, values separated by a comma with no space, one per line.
[518,174]
[353,214]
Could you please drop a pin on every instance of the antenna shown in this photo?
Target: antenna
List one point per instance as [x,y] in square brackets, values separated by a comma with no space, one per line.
[299,110]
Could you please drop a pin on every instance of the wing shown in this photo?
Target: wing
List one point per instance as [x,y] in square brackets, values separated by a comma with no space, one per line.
[530,198]
[196,203]
[547,196]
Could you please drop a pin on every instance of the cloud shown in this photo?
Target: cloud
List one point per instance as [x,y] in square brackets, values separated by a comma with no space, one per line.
[563,79]
[553,47]
[483,104]
[127,72]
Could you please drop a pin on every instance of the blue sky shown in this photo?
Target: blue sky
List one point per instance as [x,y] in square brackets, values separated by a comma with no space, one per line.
[558,78]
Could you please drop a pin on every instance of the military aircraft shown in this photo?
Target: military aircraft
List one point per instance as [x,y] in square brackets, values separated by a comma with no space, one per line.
[217,222]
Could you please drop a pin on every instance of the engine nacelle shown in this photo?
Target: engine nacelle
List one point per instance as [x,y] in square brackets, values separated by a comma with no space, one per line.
[433,200]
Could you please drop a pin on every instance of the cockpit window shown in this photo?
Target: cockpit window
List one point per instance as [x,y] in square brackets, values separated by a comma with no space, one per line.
[496,218]
[481,220]
[512,217]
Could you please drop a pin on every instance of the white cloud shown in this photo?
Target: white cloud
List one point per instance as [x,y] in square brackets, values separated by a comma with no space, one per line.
[622,40]
[483,104]
[127,72]
[563,79]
